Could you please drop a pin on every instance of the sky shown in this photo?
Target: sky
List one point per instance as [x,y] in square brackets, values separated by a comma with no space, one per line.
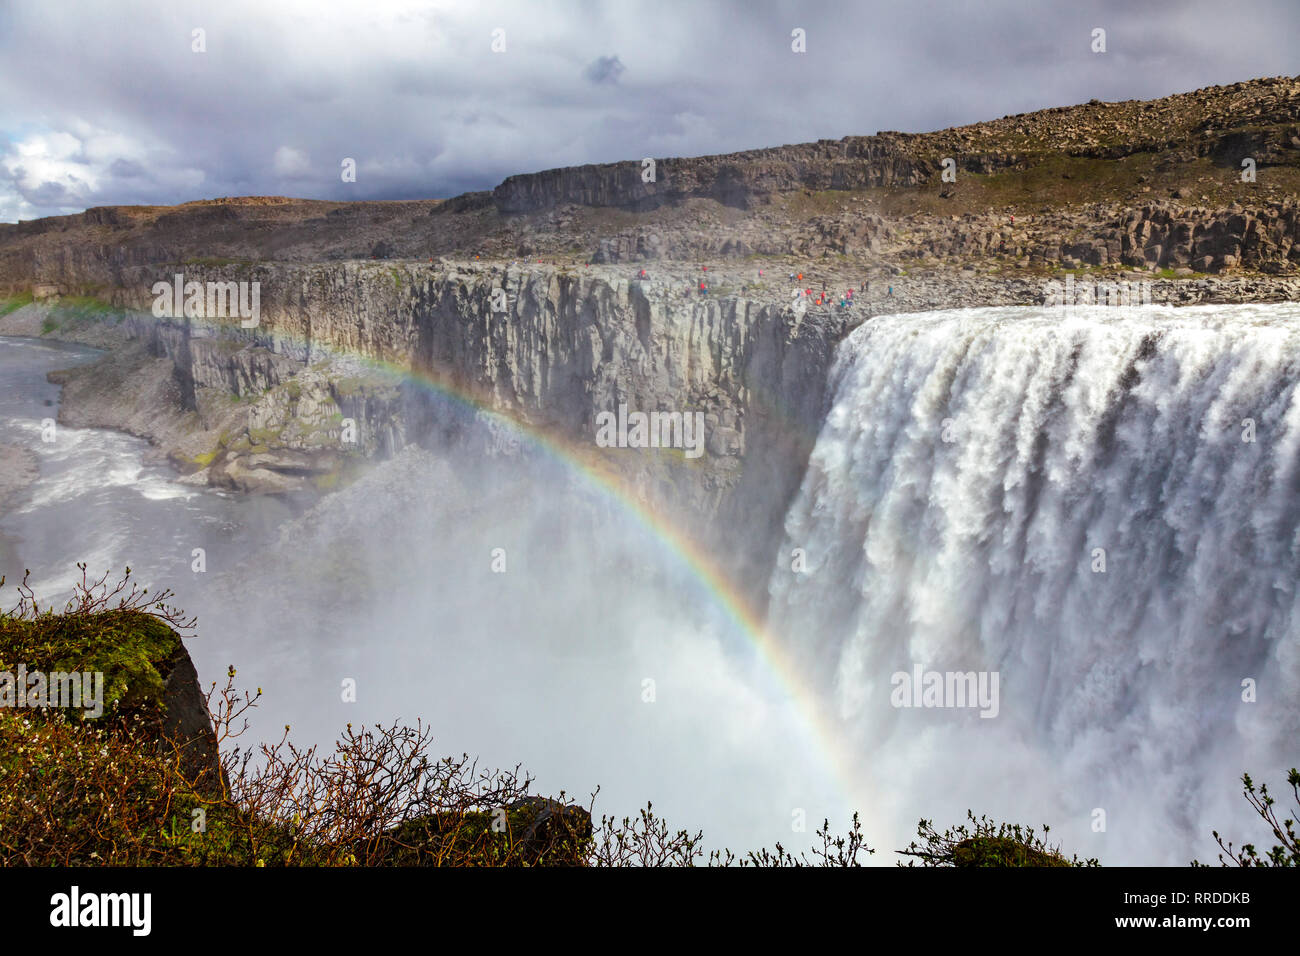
[113,103]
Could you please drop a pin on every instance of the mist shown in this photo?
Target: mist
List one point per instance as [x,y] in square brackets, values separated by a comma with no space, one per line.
[527,616]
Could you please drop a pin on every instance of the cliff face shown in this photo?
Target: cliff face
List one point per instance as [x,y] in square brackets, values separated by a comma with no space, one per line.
[735,179]
[1165,235]
[1259,119]
[1263,238]
[384,346]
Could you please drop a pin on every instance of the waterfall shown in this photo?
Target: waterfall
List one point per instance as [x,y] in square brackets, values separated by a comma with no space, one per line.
[1099,506]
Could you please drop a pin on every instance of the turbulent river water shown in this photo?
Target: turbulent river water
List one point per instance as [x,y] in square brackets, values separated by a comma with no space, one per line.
[1098,511]
[97,499]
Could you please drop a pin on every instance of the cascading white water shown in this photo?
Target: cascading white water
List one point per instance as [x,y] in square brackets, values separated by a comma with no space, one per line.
[976,469]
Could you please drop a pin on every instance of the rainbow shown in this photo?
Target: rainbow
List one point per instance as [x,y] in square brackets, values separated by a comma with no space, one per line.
[826,737]
[585,463]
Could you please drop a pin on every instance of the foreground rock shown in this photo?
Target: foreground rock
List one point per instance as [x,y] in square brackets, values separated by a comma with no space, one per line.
[531,831]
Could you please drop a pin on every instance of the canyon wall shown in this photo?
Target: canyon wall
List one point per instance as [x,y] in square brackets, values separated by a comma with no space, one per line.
[734,179]
[417,353]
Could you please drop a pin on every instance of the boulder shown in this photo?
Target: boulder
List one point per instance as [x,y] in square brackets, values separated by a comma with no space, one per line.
[187,724]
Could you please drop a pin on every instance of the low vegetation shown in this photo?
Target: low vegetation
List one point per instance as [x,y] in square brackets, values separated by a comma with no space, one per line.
[15,302]
[983,842]
[1286,851]
[70,313]
[116,791]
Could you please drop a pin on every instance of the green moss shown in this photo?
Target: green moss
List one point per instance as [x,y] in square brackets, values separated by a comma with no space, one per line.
[265,436]
[1002,851]
[231,837]
[487,837]
[84,303]
[126,646]
[15,302]
[72,311]
[982,842]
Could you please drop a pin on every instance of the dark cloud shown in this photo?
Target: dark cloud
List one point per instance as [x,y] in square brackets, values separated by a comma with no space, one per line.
[605,69]
[49,194]
[126,169]
[109,104]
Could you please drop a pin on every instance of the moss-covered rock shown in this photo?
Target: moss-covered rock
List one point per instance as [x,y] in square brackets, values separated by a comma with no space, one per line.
[533,831]
[128,647]
[149,681]
[1002,851]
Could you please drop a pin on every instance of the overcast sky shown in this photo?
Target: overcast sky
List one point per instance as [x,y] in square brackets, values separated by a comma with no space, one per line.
[108,103]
